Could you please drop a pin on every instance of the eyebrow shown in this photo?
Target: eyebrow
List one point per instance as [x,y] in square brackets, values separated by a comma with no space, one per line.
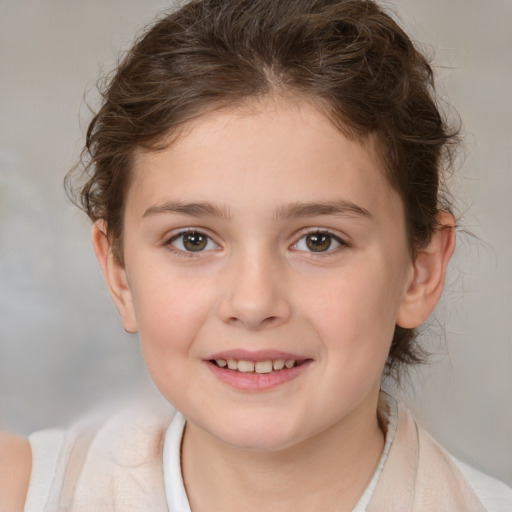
[293,210]
[199,209]
[337,208]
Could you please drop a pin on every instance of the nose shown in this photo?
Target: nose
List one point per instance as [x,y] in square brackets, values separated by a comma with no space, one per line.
[255,294]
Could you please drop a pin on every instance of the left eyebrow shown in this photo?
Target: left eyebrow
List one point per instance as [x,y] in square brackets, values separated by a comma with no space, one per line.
[336,208]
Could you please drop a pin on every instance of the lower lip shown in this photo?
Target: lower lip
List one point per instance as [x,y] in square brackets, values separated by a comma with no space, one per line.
[257,381]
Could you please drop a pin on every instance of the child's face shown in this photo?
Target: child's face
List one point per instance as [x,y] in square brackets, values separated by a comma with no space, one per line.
[264,234]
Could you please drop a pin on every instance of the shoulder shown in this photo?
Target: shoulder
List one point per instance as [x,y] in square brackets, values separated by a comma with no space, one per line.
[15,469]
[98,457]
[494,494]
[432,475]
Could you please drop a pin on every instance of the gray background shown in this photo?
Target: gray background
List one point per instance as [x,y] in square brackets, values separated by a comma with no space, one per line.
[62,347]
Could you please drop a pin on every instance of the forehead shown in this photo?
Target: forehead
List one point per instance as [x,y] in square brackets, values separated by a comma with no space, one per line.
[267,150]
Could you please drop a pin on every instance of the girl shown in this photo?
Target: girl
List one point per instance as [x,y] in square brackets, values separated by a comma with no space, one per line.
[264,180]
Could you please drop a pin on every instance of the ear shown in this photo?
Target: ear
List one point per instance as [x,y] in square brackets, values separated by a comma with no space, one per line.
[427,278]
[115,276]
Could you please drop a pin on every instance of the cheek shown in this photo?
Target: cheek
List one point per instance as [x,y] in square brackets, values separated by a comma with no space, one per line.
[354,313]
[355,324]
[360,300]
[169,311]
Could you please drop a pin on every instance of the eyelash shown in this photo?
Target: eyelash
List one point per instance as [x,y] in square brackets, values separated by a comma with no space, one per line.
[329,250]
[183,251]
[191,253]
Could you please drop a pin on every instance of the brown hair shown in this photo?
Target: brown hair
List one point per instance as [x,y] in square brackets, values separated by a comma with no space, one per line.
[347,56]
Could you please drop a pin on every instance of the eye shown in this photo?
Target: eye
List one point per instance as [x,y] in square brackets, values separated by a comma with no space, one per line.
[318,241]
[192,241]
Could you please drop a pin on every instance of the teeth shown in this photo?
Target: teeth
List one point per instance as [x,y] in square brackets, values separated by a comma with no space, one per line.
[278,364]
[245,366]
[258,366]
[263,366]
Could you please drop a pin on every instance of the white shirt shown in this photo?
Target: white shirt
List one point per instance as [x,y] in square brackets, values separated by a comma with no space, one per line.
[494,495]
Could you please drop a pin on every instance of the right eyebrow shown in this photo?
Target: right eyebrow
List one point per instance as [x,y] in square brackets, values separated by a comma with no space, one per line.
[198,209]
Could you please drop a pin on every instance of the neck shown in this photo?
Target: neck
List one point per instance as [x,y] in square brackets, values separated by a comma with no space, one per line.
[327,472]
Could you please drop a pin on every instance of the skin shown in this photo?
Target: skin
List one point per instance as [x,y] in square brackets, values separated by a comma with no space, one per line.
[257,286]
[15,468]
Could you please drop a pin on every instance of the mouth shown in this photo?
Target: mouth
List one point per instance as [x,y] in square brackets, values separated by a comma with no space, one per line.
[257,371]
[257,367]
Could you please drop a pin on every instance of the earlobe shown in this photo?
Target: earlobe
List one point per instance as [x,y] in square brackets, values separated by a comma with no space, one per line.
[427,278]
[115,276]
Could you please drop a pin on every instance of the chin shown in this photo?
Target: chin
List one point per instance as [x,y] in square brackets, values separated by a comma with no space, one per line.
[263,444]
[258,436]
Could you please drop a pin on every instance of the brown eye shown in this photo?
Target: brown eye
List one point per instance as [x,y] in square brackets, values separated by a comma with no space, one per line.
[319,241]
[192,241]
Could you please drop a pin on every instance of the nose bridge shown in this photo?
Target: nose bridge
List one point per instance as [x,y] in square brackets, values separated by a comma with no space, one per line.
[255,293]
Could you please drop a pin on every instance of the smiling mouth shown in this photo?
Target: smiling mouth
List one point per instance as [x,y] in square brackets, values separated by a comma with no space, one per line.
[260,367]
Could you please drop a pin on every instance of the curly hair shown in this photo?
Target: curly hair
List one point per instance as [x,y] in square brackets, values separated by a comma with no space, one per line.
[349,57]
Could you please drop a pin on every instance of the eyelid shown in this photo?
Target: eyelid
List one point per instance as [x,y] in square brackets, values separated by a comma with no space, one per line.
[172,233]
[176,234]
[311,231]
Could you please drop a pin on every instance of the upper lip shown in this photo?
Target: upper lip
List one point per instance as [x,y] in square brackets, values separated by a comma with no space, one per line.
[257,355]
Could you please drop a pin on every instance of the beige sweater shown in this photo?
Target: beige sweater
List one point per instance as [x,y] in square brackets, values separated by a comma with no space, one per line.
[115,465]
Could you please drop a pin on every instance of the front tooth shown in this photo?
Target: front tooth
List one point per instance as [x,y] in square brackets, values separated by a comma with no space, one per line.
[289,363]
[245,366]
[263,367]
[221,362]
[232,364]
[278,364]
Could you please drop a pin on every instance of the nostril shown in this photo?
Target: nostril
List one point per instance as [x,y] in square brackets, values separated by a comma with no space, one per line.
[270,320]
[254,311]
[266,322]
